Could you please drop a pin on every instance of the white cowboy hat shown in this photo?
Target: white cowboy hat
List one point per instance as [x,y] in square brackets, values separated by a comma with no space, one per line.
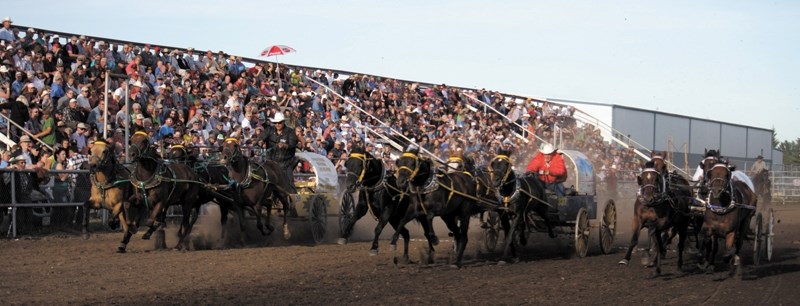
[547,149]
[278,118]
[7,19]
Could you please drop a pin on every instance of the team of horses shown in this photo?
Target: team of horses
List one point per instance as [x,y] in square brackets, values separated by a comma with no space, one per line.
[153,184]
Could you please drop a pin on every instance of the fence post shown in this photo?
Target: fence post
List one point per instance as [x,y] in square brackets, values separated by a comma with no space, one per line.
[13,205]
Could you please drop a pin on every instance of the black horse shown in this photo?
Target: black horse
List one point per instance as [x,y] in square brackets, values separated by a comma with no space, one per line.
[378,194]
[520,196]
[434,193]
[662,204]
[159,184]
[215,176]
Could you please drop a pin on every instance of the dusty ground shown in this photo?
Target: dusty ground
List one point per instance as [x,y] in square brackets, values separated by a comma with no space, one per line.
[65,269]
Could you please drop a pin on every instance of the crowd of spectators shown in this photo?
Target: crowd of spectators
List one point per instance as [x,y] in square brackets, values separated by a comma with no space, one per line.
[54,87]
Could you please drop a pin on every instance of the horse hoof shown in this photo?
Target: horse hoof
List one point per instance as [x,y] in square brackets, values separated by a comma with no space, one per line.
[647,262]
[286,233]
[502,263]
[373,252]
[623,262]
[86,236]
[710,269]
[146,236]
[450,234]
[393,247]
[434,240]
[341,241]
[121,250]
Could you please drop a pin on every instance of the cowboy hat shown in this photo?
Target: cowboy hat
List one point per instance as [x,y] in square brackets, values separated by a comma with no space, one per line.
[278,118]
[25,138]
[547,149]
[17,158]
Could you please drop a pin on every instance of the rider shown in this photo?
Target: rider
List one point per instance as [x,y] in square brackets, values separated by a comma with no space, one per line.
[700,173]
[758,166]
[549,165]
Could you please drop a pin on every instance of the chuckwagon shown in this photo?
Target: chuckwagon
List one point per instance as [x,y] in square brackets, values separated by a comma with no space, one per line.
[573,215]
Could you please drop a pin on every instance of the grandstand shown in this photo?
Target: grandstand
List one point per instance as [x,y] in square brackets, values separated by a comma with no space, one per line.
[209,95]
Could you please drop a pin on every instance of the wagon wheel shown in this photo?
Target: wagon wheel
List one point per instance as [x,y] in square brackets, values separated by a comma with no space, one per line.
[346,211]
[770,233]
[490,231]
[582,232]
[608,227]
[757,240]
[318,216]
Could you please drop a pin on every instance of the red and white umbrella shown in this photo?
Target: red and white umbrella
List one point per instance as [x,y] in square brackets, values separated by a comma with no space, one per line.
[277,50]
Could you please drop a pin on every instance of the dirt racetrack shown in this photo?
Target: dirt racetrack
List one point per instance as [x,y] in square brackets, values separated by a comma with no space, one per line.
[65,269]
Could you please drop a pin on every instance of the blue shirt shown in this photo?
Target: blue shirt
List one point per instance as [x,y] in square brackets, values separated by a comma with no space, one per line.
[7,34]
[56,91]
[164,131]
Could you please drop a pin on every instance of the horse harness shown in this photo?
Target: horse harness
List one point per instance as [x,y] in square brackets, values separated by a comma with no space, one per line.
[374,188]
[111,183]
[507,179]
[728,188]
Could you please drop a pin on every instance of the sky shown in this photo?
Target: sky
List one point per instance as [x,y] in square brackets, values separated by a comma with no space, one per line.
[732,61]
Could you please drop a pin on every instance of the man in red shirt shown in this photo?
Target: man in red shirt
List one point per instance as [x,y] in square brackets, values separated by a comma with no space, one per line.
[549,166]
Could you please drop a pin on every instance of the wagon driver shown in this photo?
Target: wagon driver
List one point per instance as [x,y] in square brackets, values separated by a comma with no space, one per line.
[549,166]
[282,144]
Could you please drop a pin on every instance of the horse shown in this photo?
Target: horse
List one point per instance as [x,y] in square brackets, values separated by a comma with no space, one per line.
[378,194]
[662,204]
[434,193]
[731,203]
[519,195]
[160,184]
[257,185]
[111,190]
[214,175]
[763,185]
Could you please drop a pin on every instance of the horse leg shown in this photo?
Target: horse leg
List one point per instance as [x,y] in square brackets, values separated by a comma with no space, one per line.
[223,221]
[637,228]
[453,226]
[85,221]
[286,202]
[382,220]
[730,253]
[659,239]
[506,224]
[152,224]
[116,210]
[681,243]
[358,212]
[509,240]
[464,227]
[187,223]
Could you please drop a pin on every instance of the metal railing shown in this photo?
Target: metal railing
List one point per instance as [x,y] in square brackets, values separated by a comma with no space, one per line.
[46,195]
[9,123]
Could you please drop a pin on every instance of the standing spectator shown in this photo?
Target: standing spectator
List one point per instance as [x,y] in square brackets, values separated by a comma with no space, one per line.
[6,33]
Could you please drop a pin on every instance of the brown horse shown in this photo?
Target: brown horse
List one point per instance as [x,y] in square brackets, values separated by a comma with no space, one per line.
[450,196]
[257,186]
[111,190]
[729,208]
[662,204]
[763,186]
[159,184]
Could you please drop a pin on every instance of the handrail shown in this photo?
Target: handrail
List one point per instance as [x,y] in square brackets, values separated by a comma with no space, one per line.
[391,130]
[8,132]
[486,105]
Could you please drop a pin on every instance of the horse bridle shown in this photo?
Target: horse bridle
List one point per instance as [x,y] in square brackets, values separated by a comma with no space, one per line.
[655,187]
[506,174]
[725,181]
[235,152]
[182,148]
[414,171]
[364,164]
[101,162]
[142,152]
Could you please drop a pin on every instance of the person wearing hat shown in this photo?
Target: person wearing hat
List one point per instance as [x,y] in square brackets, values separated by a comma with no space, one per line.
[79,137]
[758,166]
[550,168]
[6,33]
[25,149]
[282,144]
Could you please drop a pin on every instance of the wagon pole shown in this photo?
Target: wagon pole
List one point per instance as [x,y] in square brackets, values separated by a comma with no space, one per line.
[391,130]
